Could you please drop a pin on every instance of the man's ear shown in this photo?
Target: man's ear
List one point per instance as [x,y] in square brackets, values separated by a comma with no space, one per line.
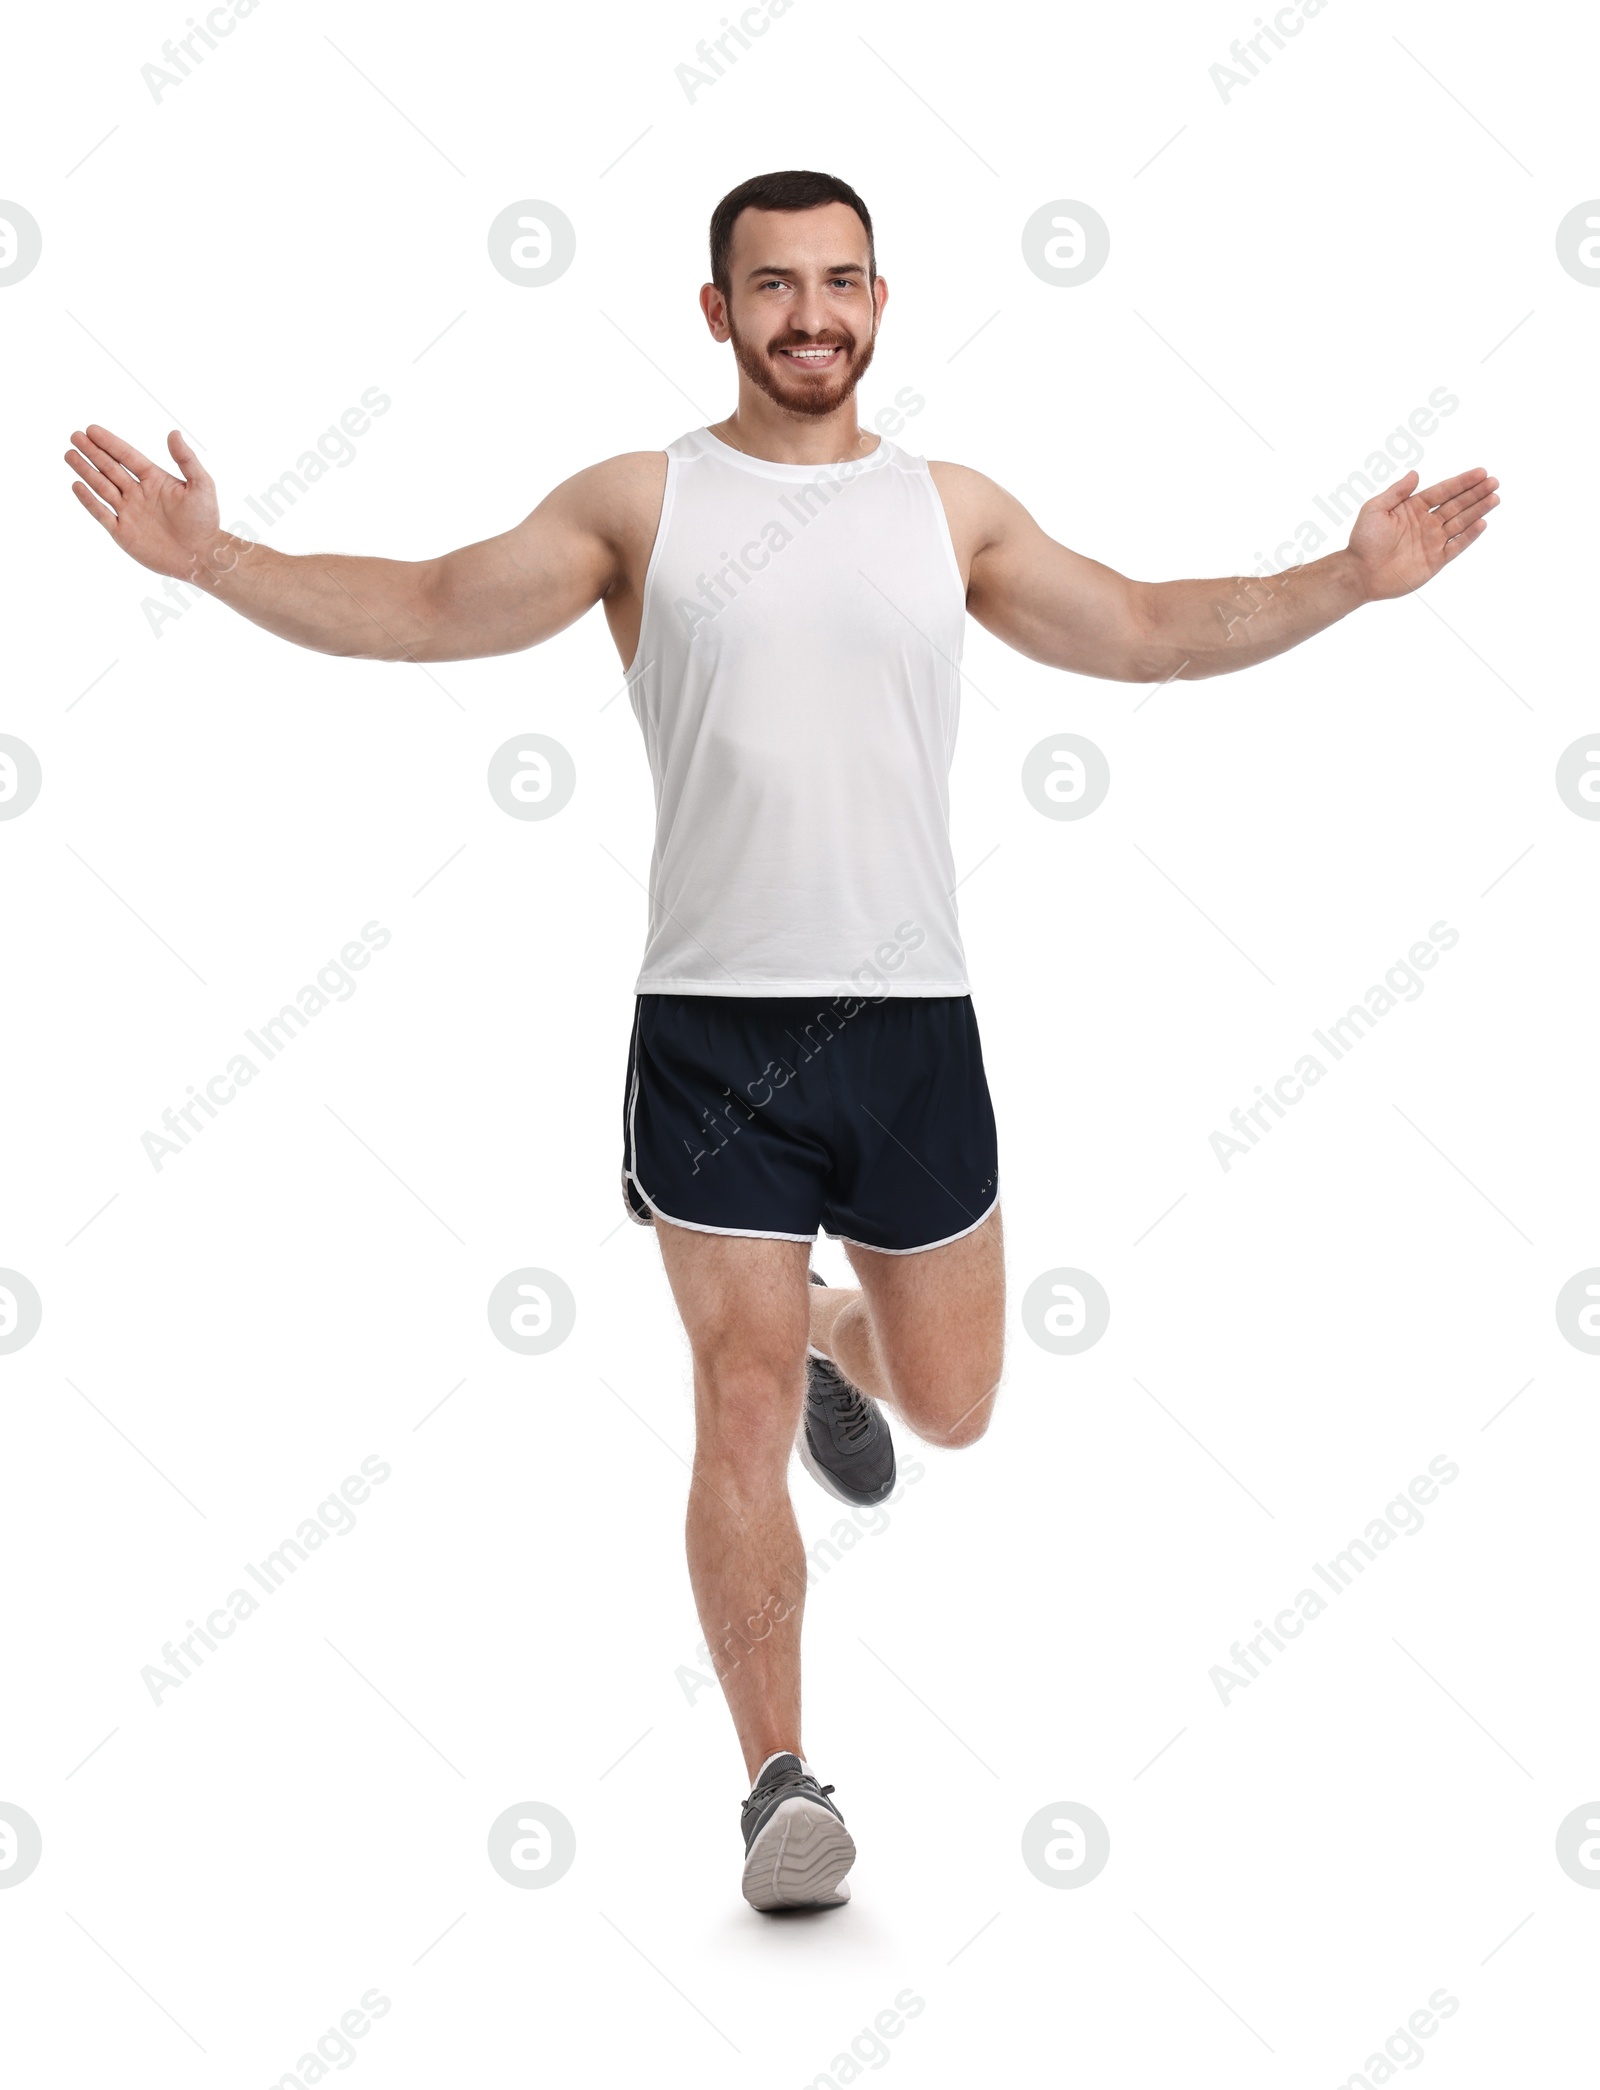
[715,307]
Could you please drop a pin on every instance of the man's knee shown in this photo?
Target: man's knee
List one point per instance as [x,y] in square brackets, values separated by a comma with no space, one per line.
[967,1428]
[955,1412]
[749,1407]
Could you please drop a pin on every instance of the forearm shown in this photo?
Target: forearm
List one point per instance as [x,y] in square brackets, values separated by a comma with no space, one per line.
[364,609]
[1193,629]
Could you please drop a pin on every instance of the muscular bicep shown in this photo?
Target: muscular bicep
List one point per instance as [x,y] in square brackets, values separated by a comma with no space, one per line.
[512,591]
[1052,604]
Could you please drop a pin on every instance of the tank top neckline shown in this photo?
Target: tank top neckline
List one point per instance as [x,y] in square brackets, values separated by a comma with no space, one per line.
[773,468]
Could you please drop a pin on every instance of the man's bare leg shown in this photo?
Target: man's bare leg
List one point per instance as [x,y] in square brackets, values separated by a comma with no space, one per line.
[925,1334]
[743,1306]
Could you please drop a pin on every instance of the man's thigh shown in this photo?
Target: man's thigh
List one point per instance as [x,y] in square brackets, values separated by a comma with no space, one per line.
[939,1315]
[744,1302]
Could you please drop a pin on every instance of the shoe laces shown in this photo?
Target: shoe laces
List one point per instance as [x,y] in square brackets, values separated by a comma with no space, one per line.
[850,1413]
[852,1418]
[784,1783]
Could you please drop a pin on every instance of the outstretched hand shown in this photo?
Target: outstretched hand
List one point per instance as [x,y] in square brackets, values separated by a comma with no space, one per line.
[163,522]
[1401,537]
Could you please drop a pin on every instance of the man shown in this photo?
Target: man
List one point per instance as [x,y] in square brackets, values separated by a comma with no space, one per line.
[789,595]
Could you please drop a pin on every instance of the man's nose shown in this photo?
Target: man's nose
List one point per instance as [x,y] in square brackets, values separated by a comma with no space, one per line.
[810,315]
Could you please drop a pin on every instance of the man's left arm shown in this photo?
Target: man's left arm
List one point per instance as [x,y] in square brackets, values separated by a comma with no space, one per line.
[1058,607]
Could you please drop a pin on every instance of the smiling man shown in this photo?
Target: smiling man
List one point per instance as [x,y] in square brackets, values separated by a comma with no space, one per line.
[788,594]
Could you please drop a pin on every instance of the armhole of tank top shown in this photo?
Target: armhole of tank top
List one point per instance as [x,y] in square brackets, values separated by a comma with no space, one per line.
[647,593]
[942,526]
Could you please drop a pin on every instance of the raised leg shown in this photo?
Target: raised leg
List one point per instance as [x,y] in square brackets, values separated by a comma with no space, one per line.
[925,1333]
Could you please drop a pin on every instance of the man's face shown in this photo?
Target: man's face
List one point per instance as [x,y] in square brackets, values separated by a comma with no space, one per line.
[801,313]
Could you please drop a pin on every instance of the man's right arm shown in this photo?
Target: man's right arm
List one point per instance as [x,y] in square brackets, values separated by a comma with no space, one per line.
[499,596]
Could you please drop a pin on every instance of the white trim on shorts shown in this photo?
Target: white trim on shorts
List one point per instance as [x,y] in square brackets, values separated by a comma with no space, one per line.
[744,1233]
[926,1245]
[755,1233]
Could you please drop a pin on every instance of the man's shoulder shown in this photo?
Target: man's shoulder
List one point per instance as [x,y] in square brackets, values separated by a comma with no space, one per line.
[616,497]
[629,473]
[973,495]
[961,482]
[976,508]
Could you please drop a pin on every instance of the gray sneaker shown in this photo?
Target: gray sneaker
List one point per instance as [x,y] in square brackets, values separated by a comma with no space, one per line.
[797,1848]
[844,1442]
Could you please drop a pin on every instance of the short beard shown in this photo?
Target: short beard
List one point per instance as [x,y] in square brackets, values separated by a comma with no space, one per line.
[813,402]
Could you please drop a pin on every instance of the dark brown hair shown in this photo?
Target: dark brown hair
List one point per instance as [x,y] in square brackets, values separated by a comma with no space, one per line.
[795,189]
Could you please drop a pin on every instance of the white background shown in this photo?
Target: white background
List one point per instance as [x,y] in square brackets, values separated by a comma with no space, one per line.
[224,1340]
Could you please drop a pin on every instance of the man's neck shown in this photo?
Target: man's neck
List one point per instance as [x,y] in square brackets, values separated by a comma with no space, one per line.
[761,428]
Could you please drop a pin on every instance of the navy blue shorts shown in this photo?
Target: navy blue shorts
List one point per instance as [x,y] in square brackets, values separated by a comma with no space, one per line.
[775,1116]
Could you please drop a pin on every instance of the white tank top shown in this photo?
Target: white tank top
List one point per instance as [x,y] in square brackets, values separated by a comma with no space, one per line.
[797,682]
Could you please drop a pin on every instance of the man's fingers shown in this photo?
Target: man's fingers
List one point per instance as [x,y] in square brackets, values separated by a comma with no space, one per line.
[102,515]
[1472,517]
[125,454]
[107,489]
[1433,495]
[1457,545]
[1462,502]
[1392,496]
[105,463]
[190,466]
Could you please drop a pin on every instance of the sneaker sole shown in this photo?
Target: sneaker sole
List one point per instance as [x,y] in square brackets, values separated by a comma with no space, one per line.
[824,1479]
[800,1859]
